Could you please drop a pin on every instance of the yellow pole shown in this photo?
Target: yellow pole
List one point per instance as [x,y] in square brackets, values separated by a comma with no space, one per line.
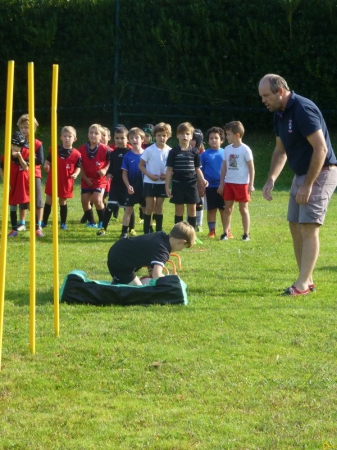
[55,197]
[31,113]
[4,231]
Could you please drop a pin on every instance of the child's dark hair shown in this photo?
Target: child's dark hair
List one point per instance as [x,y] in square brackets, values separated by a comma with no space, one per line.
[120,128]
[235,127]
[218,130]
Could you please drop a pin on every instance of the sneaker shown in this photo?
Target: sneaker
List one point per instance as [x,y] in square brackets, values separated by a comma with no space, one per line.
[43,225]
[123,236]
[91,225]
[211,234]
[21,227]
[39,233]
[224,237]
[199,229]
[13,233]
[245,237]
[64,226]
[101,232]
[133,233]
[100,225]
[229,234]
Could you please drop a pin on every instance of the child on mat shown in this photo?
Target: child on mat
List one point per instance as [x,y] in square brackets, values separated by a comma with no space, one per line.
[127,256]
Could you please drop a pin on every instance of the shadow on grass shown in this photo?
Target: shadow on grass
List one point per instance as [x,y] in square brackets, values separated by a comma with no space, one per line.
[22,297]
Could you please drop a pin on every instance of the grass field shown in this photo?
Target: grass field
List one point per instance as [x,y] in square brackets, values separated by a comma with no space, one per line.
[240,367]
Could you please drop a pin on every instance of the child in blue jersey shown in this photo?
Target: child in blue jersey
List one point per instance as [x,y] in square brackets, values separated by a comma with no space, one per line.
[211,162]
[133,178]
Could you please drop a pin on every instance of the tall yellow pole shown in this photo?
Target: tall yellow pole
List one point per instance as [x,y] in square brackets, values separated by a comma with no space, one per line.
[31,113]
[55,197]
[4,231]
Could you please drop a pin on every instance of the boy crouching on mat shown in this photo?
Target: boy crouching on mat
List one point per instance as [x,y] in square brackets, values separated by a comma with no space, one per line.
[153,250]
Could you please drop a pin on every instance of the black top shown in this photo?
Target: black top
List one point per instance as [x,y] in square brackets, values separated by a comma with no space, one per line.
[135,253]
[183,163]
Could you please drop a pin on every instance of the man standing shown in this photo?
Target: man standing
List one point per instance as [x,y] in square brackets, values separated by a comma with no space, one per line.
[302,138]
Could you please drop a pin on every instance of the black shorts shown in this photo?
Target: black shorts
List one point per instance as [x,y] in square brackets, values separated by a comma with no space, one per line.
[214,200]
[117,194]
[154,190]
[92,190]
[122,276]
[137,197]
[185,192]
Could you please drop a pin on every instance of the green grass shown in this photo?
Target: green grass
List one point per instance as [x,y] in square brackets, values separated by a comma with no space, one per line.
[240,367]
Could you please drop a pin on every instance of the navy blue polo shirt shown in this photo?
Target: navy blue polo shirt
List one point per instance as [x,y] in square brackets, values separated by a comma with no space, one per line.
[301,118]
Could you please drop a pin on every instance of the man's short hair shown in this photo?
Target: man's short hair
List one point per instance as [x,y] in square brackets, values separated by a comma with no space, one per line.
[162,127]
[185,126]
[183,230]
[235,127]
[217,130]
[277,82]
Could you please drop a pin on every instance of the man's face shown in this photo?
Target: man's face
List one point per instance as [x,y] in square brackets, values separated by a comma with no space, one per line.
[273,102]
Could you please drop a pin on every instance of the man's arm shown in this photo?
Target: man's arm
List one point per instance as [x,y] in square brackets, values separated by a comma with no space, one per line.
[278,161]
[317,141]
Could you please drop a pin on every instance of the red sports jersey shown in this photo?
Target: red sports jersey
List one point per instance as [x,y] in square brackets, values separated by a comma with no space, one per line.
[65,168]
[92,165]
[19,181]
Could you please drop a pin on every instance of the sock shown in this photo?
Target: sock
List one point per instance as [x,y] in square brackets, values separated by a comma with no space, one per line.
[63,213]
[211,226]
[90,216]
[22,222]
[46,213]
[14,220]
[107,216]
[192,221]
[147,221]
[132,221]
[178,219]
[200,216]
[115,210]
[159,221]
[38,225]
[141,214]
[100,214]
[124,229]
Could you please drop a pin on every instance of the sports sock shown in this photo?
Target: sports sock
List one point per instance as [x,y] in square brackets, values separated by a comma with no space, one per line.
[159,221]
[192,221]
[147,221]
[46,213]
[141,214]
[200,215]
[63,213]
[14,220]
[211,226]
[107,216]
[132,221]
[90,216]
[124,229]
[100,213]
[178,219]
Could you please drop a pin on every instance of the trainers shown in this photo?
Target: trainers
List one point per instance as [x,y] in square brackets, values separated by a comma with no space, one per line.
[133,233]
[294,292]
[100,225]
[21,227]
[101,232]
[123,236]
[229,234]
[199,228]
[91,225]
[43,225]
[211,234]
[64,226]
[224,237]
[13,233]
[245,237]
[39,233]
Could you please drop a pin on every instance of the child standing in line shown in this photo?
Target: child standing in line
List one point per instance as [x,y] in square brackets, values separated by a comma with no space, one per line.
[126,256]
[106,137]
[238,172]
[94,166]
[183,168]
[148,140]
[23,124]
[133,178]
[211,163]
[18,180]
[153,166]
[197,142]
[68,168]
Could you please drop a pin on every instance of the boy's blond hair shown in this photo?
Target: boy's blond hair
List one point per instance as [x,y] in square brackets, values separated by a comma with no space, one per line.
[162,127]
[69,129]
[136,131]
[97,126]
[107,131]
[25,119]
[185,126]
[235,127]
[183,230]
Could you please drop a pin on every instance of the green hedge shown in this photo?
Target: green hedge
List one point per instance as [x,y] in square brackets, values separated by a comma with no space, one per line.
[198,59]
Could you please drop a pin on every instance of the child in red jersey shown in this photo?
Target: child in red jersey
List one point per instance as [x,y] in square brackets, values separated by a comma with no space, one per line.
[23,124]
[68,168]
[94,166]
[19,179]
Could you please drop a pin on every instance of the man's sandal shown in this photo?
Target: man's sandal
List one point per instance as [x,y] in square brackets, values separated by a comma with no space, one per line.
[294,292]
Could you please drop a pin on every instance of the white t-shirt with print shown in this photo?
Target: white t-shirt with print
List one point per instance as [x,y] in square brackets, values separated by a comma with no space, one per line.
[155,160]
[236,160]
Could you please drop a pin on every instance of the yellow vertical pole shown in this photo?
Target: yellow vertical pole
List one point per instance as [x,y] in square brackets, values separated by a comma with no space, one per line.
[4,231]
[31,113]
[55,197]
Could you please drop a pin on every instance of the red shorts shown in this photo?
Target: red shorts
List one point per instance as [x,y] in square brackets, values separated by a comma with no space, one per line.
[237,192]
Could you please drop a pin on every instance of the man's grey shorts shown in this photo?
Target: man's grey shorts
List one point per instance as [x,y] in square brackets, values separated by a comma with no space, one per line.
[315,210]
